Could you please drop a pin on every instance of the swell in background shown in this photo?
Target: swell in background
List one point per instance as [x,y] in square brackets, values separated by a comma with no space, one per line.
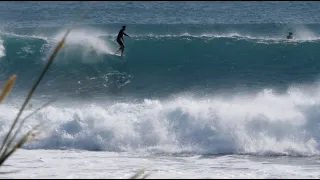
[163,60]
[191,90]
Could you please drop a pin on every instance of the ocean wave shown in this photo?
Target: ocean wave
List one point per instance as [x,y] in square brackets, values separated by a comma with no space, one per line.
[211,68]
[301,34]
[159,65]
[275,39]
[2,49]
[261,124]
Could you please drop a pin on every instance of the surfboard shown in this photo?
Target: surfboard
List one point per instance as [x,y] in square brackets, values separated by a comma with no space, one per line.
[117,54]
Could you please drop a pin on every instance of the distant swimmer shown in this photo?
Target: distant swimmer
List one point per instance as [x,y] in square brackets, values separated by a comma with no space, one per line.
[290,36]
[120,39]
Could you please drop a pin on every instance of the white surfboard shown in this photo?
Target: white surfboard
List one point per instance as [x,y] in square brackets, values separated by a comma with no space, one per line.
[117,54]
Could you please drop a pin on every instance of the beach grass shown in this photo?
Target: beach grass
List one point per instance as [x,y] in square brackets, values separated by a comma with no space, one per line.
[8,147]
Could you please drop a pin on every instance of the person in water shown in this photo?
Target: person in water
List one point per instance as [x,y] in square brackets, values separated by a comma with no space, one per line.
[290,36]
[120,39]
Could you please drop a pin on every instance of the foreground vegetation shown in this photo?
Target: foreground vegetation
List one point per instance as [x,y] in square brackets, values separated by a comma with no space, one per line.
[11,143]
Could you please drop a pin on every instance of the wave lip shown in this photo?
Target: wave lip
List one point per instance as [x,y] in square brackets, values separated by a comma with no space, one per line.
[205,59]
[2,49]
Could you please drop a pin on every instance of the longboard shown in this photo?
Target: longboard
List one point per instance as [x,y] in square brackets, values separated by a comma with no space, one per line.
[118,55]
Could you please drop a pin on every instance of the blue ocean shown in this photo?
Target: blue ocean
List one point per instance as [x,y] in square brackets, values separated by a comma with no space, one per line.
[207,82]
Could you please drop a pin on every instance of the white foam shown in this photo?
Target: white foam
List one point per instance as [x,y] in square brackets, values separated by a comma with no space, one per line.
[10,34]
[2,49]
[70,164]
[302,33]
[300,36]
[88,38]
[265,123]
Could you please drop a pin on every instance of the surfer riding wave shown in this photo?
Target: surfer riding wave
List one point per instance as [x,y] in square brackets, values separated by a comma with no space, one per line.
[120,40]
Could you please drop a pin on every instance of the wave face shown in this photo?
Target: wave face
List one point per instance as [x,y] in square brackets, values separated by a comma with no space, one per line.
[186,85]
[194,92]
[161,64]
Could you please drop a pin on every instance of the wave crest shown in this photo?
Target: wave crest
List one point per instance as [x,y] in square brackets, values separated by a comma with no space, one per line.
[263,124]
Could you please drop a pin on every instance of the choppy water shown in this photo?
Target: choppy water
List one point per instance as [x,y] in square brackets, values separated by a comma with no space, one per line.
[198,78]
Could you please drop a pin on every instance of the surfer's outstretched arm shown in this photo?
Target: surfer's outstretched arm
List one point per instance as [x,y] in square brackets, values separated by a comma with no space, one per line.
[126,34]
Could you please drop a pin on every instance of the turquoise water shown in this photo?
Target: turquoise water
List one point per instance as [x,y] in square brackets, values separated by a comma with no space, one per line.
[175,46]
[197,77]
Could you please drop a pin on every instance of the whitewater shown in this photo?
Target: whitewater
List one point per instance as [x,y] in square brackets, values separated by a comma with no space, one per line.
[205,90]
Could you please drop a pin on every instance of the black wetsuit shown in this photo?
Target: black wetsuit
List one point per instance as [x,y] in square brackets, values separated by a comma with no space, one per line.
[120,37]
